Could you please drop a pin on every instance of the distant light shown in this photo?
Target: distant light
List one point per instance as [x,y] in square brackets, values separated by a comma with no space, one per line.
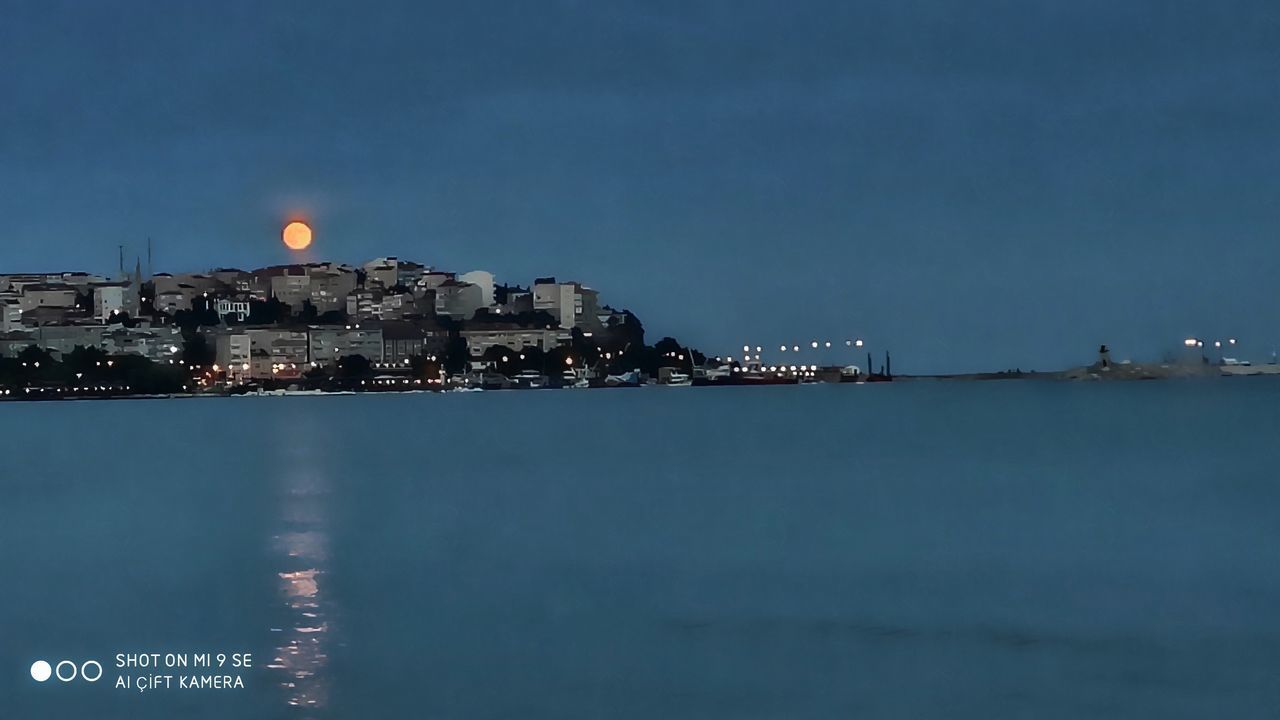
[1232,341]
[1190,342]
[814,344]
[795,348]
[783,348]
[828,343]
[858,343]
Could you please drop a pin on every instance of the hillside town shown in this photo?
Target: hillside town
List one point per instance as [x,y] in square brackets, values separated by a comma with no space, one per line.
[390,323]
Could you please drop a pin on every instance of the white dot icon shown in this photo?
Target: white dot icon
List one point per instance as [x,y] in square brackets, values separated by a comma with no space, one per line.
[41,671]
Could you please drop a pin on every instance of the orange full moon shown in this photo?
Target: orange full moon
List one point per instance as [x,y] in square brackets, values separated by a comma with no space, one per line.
[297,236]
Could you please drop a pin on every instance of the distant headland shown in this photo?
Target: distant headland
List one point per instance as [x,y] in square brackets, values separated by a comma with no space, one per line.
[390,324]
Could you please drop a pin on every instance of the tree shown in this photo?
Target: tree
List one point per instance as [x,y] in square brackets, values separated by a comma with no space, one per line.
[559,359]
[503,358]
[354,367]
[197,351]
[36,364]
[530,358]
[268,312]
[90,362]
[455,356]
[424,368]
[121,318]
[316,374]
[585,349]
[668,352]
[202,313]
[147,377]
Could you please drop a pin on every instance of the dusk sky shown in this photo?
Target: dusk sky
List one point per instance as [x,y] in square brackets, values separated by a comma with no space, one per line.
[974,185]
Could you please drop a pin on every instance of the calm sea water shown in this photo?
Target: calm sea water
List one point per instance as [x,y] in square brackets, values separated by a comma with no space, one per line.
[922,550]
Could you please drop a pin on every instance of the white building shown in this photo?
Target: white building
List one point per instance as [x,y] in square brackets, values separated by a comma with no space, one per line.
[483,280]
[268,353]
[514,338]
[458,299]
[112,298]
[10,312]
[233,351]
[330,343]
[161,344]
[383,271]
[572,304]
[227,306]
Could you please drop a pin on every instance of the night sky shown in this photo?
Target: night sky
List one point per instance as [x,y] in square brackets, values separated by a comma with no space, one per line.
[975,185]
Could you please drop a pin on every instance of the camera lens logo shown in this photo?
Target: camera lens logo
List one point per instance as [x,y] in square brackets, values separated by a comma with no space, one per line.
[66,671]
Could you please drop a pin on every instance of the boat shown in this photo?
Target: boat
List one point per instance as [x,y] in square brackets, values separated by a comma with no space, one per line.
[530,379]
[678,379]
[627,379]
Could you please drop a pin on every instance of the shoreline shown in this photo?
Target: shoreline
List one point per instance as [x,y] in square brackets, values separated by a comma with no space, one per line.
[1139,373]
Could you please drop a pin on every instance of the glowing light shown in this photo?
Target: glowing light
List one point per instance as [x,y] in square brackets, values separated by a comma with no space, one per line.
[297,235]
